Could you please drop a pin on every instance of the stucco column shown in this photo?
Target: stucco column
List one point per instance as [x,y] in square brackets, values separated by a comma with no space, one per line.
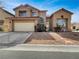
[6,25]
[69,24]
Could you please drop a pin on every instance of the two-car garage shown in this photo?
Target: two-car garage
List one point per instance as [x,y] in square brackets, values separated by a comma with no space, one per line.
[24,26]
[20,24]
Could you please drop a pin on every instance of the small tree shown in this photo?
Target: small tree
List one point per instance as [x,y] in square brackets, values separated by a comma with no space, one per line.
[41,26]
[58,28]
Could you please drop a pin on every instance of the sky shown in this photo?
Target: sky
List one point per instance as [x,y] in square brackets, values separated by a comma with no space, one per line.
[50,5]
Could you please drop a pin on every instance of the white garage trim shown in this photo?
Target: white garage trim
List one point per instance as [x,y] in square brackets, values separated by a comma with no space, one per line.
[26,26]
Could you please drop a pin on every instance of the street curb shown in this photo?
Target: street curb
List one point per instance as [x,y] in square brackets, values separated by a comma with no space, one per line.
[43,48]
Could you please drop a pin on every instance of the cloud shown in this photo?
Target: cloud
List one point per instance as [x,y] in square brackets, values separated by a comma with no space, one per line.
[51,1]
[50,5]
[9,5]
[75,16]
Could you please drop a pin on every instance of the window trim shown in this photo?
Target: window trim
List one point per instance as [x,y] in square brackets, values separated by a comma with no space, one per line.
[63,18]
[34,14]
[21,15]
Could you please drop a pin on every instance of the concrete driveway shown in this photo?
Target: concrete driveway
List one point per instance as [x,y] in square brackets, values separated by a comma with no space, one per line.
[12,38]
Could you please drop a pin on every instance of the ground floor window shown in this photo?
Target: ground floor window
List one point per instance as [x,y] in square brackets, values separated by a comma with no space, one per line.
[61,24]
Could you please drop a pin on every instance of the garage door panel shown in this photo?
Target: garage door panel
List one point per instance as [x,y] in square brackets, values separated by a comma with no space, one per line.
[24,26]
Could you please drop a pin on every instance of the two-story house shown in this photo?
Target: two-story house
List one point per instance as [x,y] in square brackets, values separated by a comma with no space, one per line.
[26,19]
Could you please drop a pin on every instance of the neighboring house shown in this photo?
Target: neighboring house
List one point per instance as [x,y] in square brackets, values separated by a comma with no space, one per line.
[26,19]
[75,26]
[3,21]
[61,18]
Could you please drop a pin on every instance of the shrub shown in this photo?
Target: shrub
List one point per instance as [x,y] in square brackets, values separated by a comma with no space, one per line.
[40,26]
[57,29]
[77,29]
[1,29]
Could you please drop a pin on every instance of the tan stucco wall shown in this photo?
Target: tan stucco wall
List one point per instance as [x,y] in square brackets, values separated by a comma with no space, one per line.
[28,9]
[65,16]
[3,16]
[29,13]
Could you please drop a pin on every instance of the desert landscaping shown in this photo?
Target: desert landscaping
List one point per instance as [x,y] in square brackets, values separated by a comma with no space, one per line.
[57,38]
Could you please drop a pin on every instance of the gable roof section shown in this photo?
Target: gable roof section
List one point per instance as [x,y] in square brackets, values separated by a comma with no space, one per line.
[63,10]
[7,12]
[26,5]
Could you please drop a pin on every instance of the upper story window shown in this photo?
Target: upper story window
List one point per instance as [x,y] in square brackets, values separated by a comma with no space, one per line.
[34,14]
[22,13]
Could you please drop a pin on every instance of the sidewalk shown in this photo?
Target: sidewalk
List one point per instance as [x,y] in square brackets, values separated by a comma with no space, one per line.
[26,51]
[43,47]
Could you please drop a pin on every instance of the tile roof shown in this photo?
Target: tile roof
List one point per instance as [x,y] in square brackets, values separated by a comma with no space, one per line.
[7,11]
[63,10]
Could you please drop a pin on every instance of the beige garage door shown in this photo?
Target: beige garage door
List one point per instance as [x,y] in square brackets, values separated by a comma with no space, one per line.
[24,26]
